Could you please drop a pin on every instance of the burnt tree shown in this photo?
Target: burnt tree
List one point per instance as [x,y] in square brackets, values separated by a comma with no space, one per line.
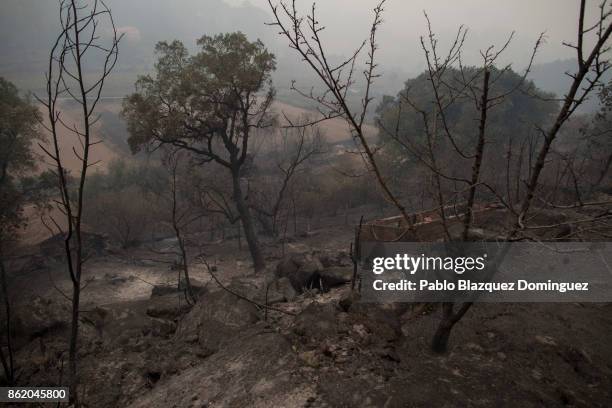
[80,41]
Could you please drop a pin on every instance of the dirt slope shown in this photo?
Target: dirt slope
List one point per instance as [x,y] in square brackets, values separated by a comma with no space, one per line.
[102,152]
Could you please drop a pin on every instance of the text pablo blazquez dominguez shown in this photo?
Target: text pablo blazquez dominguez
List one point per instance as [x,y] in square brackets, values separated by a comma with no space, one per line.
[459,265]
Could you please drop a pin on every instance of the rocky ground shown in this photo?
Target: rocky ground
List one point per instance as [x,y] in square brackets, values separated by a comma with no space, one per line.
[142,345]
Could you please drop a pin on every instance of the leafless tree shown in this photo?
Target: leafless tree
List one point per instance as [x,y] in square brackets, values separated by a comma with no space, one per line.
[477,86]
[292,150]
[587,78]
[182,215]
[592,62]
[304,36]
[7,359]
[80,40]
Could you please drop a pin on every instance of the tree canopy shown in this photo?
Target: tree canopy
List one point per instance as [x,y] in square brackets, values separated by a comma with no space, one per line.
[515,116]
[18,130]
[198,102]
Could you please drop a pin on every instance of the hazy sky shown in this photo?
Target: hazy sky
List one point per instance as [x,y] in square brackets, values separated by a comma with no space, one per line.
[24,51]
[489,22]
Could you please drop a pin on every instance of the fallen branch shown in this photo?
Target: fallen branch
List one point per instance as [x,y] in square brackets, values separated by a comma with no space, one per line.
[239,296]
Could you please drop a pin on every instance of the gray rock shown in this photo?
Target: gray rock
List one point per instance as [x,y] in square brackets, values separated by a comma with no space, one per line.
[287,266]
[302,271]
[278,291]
[218,318]
[283,285]
[340,258]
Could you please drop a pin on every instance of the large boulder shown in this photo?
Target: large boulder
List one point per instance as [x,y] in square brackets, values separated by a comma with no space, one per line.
[217,318]
[335,258]
[302,270]
[283,287]
[306,271]
[278,290]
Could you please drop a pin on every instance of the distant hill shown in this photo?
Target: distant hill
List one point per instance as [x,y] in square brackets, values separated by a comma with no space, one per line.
[28,28]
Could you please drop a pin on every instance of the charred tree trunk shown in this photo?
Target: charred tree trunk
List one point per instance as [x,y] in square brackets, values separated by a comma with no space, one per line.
[575,96]
[67,61]
[479,156]
[441,337]
[181,242]
[604,171]
[74,336]
[185,267]
[268,226]
[247,223]
[8,359]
